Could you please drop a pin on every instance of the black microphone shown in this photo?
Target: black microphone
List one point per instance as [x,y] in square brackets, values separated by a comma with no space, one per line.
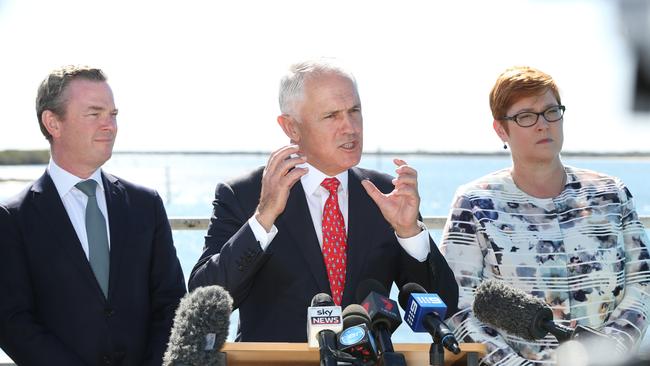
[384,319]
[423,312]
[356,338]
[200,328]
[521,314]
[323,321]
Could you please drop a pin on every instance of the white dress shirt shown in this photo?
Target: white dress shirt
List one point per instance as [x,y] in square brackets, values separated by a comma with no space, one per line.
[75,201]
[316,195]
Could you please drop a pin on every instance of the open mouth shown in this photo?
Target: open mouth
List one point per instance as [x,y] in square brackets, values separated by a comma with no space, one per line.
[349,145]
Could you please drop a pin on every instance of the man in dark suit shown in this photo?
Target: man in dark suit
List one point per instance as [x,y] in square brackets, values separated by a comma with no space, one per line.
[311,222]
[88,270]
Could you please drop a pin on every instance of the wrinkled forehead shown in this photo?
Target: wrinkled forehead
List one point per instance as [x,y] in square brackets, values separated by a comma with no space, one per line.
[330,86]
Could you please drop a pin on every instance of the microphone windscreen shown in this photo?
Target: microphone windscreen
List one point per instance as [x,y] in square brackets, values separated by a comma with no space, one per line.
[200,327]
[505,307]
[322,299]
[406,291]
[382,310]
[355,314]
[370,285]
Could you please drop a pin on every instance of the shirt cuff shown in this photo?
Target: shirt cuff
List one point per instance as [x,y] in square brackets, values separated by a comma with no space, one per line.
[260,233]
[416,246]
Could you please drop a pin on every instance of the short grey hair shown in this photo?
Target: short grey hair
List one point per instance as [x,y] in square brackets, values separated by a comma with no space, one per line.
[292,83]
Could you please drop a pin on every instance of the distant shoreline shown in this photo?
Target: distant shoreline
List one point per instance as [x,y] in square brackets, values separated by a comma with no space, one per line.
[589,154]
[24,157]
[37,157]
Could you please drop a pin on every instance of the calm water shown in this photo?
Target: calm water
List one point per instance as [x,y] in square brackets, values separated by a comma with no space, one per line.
[187,182]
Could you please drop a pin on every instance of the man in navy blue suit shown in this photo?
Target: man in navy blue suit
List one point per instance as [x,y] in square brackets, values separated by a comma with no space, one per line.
[88,270]
[270,237]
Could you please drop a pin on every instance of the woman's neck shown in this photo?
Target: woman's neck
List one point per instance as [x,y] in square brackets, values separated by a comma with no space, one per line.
[540,179]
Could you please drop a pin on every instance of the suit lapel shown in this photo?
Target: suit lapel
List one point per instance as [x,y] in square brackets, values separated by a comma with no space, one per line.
[297,221]
[49,206]
[360,206]
[118,225]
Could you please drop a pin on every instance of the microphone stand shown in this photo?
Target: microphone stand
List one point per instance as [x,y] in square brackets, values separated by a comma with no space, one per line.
[436,355]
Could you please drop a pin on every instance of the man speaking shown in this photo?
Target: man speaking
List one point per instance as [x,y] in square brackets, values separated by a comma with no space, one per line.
[310,221]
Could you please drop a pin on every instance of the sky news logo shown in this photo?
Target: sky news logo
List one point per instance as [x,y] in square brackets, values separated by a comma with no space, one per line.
[325,320]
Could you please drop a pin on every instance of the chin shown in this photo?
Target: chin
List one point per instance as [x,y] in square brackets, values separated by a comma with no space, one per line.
[353,162]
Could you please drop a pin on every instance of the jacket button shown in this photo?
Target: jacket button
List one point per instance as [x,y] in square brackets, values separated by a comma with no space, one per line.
[109,313]
[107,360]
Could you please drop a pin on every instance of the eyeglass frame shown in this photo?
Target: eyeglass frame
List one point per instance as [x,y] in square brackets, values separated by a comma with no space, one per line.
[514,118]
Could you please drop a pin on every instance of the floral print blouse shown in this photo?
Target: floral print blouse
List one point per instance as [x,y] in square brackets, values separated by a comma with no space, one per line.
[584,252]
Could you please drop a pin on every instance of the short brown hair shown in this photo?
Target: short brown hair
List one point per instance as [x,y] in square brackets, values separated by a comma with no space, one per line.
[50,92]
[516,83]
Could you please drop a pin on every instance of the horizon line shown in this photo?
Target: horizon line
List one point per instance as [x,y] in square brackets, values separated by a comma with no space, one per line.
[603,154]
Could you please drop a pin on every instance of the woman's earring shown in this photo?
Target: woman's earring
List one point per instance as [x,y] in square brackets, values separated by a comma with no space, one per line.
[505,147]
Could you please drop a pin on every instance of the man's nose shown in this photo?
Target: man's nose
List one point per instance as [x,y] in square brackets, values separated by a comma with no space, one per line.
[351,123]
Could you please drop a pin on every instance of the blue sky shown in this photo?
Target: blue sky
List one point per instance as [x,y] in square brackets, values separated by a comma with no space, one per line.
[196,75]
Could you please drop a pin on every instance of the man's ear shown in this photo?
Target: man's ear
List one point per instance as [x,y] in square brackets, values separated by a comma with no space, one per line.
[500,130]
[289,126]
[51,122]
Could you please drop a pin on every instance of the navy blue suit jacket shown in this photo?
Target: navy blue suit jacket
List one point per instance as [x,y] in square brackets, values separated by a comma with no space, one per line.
[52,310]
[273,288]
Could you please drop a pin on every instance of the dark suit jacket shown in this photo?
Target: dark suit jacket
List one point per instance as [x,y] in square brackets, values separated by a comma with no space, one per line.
[273,288]
[52,310]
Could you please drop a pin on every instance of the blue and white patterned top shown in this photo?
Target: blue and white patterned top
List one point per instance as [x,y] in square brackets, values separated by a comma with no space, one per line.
[584,252]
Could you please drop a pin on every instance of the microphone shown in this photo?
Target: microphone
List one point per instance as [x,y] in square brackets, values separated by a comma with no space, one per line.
[423,312]
[356,338]
[384,319]
[200,328]
[323,322]
[521,314]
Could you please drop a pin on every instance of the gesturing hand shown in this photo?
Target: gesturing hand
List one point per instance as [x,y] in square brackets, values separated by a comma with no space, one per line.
[280,174]
[401,206]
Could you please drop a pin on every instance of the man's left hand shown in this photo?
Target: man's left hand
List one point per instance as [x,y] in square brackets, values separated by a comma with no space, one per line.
[401,206]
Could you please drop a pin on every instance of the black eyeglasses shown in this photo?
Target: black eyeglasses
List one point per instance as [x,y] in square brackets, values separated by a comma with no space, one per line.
[528,119]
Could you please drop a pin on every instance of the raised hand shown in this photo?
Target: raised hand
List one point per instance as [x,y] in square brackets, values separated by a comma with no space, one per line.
[401,206]
[280,174]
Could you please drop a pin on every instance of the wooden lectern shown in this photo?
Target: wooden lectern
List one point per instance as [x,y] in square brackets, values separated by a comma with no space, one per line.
[272,354]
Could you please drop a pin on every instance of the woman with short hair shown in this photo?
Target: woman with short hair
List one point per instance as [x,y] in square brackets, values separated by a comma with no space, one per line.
[567,235]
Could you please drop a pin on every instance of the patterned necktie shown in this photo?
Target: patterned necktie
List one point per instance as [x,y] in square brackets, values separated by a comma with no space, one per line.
[98,253]
[334,240]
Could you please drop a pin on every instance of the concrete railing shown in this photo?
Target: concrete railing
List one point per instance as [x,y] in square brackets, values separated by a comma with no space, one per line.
[432,222]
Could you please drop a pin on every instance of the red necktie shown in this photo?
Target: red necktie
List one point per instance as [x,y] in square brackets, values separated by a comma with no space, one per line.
[334,240]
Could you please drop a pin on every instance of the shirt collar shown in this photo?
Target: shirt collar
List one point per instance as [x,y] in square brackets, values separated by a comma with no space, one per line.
[64,181]
[314,177]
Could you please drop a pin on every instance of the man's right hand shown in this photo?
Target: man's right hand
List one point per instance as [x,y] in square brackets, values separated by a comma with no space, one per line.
[280,174]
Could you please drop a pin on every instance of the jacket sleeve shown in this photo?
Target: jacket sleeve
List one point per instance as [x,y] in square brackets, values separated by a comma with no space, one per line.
[167,285]
[22,337]
[464,253]
[629,320]
[231,255]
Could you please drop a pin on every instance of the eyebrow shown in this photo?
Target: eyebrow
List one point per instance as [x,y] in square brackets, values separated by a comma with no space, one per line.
[525,110]
[356,106]
[98,108]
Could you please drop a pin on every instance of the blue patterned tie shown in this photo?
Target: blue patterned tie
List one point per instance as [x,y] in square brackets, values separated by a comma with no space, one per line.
[98,253]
